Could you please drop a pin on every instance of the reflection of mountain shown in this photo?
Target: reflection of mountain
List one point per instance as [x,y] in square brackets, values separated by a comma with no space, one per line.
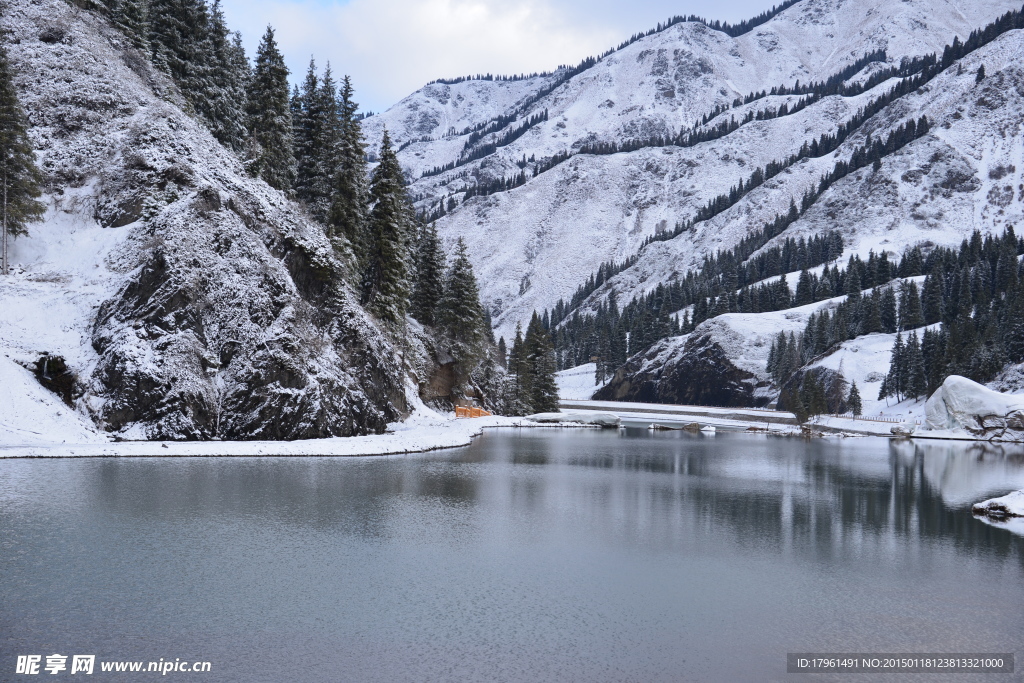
[822,498]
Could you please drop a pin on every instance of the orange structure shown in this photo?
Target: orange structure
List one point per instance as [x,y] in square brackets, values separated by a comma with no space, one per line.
[468,411]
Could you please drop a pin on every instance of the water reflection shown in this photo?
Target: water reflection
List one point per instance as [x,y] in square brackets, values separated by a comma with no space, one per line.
[540,555]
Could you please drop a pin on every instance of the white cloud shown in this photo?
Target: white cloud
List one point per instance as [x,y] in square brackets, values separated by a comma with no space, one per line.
[392,47]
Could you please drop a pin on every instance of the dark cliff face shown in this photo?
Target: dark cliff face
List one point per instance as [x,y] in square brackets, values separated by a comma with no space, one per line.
[227,312]
[700,373]
[237,324]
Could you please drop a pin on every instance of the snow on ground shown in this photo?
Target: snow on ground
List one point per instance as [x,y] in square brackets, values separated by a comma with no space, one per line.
[30,415]
[424,431]
[865,360]
[577,383]
[59,276]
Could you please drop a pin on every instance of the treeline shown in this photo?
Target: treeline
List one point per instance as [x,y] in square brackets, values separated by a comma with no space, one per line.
[566,72]
[870,153]
[531,386]
[471,153]
[971,303]
[725,283]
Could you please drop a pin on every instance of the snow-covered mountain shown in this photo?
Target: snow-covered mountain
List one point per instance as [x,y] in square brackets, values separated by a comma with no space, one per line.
[536,243]
[190,300]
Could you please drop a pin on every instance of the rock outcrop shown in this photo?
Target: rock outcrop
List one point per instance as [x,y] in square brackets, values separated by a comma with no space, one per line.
[961,405]
[228,314]
[699,372]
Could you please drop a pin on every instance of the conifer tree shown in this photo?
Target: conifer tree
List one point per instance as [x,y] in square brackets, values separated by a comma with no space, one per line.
[459,312]
[430,276]
[872,314]
[132,17]
[887,311]
[19,175]
[349,205]
[540,358]
[502,353]
[386,267]
[269,117]
[179,37]
[894,383]
[315,128]
[305,121]
[911,311]
[932,303]
[225,109]
[519,369]
[854,400]
[914,368]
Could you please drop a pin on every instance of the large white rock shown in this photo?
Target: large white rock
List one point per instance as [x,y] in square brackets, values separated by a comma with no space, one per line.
[964,406]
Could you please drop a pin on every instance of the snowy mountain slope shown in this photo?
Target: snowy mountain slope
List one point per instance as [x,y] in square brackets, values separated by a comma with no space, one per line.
[965,175]
[557,228]
[669,79]
[593,209]
[217,308]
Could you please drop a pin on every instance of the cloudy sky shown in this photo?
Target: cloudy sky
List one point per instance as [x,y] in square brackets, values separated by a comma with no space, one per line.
[392,47]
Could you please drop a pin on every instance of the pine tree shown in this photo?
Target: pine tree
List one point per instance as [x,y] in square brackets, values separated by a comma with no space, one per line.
[315,128]
[887,311]
[540,359]
[502,353]
[894,384]
[269,117]
[854,400]
[386,267]
[305,122]
[914,368]
[430,276]
[349,205]
[518,367]
[872,318]
[981,74]
[19,175]
[180,40]
[459,312]
[132,17]
[229,77]
[911,311]
[932,302]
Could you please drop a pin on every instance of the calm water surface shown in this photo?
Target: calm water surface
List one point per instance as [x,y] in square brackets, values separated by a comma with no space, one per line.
[542,555]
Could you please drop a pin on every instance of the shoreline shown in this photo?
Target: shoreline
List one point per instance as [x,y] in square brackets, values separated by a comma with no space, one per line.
[419,434]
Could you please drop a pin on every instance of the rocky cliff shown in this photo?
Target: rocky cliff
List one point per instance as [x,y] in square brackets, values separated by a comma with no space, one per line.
[194,301]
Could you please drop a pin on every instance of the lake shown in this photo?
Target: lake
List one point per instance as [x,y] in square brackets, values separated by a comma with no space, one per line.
[532,555]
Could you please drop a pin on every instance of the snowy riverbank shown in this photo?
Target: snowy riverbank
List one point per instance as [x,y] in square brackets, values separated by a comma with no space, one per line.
[426,430]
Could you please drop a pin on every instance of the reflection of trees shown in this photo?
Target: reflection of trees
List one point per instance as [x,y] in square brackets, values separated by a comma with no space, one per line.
[783,492]
[816,497]
[345,493]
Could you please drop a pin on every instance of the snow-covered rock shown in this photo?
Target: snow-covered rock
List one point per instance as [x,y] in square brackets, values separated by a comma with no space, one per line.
[961,405]
[585,417]
[723,362]
[1010,505]
[191,300]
